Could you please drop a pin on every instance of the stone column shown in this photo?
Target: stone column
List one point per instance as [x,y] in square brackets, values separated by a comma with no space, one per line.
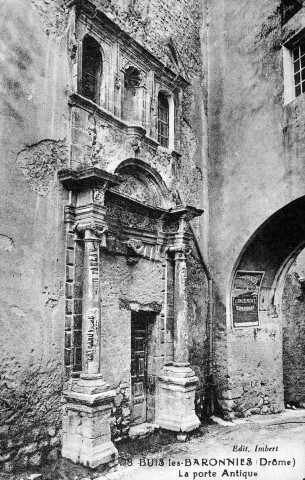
[175,399]
[91,301]
[87,437]
[180,308]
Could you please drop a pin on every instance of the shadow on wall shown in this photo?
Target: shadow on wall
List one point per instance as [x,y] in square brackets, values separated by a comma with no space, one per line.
[293,318]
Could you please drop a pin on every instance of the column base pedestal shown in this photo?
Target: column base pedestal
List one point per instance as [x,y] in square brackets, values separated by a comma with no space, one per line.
[175,398]
[86,426]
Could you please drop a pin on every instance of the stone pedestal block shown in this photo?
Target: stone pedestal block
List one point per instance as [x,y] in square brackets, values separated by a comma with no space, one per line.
[86,424]
[175,398]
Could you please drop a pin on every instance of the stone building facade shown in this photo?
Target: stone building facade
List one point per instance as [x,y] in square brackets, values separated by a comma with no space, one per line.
[152,191]
[104,281]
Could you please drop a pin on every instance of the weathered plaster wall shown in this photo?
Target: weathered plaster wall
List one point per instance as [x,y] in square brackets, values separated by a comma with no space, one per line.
[255,383]
[198,341]
[32,147]
[256,167]
[293,311]
[247,163]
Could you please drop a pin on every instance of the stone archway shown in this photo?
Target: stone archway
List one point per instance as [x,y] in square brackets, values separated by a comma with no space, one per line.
[255,335]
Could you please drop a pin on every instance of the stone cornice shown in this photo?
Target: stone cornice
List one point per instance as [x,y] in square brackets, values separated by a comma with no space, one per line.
[185,211]
[77,100]
[88,177]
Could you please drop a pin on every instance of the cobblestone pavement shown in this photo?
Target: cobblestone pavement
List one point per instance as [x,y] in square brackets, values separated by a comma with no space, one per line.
[269,447]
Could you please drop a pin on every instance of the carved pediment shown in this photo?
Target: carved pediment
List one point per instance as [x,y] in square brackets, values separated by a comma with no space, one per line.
[172,57]
[143,183]
[134,188]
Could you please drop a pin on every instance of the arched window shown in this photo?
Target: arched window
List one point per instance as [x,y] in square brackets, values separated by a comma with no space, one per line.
[91,69]
[163,120]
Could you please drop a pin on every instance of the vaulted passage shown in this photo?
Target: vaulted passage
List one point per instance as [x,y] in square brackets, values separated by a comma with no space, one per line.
[266,334]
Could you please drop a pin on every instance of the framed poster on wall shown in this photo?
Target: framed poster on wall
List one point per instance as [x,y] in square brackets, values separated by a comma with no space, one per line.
[245,298]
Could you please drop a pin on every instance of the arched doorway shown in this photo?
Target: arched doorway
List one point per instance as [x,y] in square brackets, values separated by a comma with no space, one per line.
[255,333]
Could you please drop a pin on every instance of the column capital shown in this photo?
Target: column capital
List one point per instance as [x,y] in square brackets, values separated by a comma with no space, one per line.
[90,231]
[180,251]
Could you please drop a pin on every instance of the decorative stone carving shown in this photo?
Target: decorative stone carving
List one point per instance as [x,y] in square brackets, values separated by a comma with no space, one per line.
[170,227]
[143,79]
[72,46]
[80,229]
[153,104]
[136,248]
[133,77]
[117,81]
[131,219]
[136,190]
[136,245]
[181,251]
[136,145]
[99,194]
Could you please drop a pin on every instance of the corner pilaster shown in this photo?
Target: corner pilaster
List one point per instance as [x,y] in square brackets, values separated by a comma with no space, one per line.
[86,422]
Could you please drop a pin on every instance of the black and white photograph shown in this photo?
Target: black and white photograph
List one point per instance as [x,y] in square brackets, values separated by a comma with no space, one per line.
[152,239]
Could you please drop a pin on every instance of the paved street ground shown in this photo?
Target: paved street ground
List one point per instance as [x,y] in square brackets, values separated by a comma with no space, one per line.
[219,451]
[216,454]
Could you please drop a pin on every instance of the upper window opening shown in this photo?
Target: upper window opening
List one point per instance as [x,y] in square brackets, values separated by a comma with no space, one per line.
[132,77]
[91,69]
[298,56]
[163,120]
[290,8]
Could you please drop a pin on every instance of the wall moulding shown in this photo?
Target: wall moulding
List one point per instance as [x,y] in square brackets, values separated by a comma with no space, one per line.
[133,131]
[89,177]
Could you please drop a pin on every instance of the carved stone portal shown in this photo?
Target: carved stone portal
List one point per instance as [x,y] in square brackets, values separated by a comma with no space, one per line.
[99,217]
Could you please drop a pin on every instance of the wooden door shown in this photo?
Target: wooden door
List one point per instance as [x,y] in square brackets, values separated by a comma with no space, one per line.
[139,349]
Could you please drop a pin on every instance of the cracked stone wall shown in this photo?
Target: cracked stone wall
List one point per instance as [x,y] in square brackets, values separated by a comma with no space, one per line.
[33,121]
[256,167]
